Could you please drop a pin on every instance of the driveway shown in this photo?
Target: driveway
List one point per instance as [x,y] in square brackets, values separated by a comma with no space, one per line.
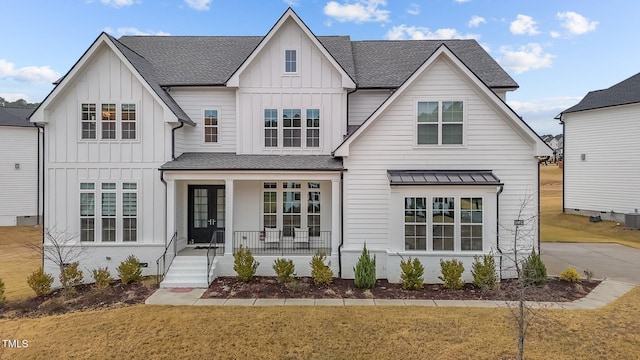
[613,261]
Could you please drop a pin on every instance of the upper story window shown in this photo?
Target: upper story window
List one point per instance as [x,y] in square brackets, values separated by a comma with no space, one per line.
[291,128]
[270,128]
[313,128]
[440,123]
[211,126]
[112,121]
[290,61]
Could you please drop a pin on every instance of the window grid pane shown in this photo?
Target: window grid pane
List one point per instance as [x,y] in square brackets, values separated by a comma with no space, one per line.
[88,119]
[291,209]
[313,127]
[290,63]
[108,123]
[270,128]
[415,218]
[443,223]
[270,209]
[200,208]
[471,224]
[313,213]
[129,215]
[211,126]
[87,213]
[128,121]
[292,128]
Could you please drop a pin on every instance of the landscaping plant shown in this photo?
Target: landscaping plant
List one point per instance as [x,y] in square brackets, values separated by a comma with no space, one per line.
[570,275]
[40,282]
[320,272]
[451,274]
[244,264]
[365,270]
[130,270]
[102,277]
[534,272]
[412,274]
[285,270]
[71,276]
[484,272]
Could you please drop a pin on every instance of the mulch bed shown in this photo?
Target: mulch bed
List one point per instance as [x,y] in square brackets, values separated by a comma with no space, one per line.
[268,287]
[82,298]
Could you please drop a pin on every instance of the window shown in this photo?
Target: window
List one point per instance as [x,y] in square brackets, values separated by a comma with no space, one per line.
[313,209]
[291,208]
[128,116]
[292,128]
[88,121]
[271,128]
[290,61]
[87,211]
[211,126]
[270,205]
[288,205]
[443,226]
[129,212]
[440,123]
[108,121]
[313,128]
[108,212]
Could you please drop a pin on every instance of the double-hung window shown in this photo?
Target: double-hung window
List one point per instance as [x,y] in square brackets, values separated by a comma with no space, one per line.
[471,223]
[211,126]
[291,207]
[102,218]
[440,123]
[88,117]
[108,123]
[313,128]
[129,212]
[128,121]
[291,128]
[87,211]
[108,212]
[270,205]
[290,61]
[271,128]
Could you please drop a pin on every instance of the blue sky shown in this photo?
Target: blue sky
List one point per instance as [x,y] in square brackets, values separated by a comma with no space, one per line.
[557,50]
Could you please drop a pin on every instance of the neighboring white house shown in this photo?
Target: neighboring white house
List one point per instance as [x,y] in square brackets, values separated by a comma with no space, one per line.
[18,168]
[287,144]
[602,152]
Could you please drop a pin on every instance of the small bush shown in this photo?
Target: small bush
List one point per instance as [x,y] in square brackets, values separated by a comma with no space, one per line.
[130,270]
[3,298]
[484,272]
[451,274]
[320,272]
[533,270]
[285,270]
[71,276]
[570,275]
[589,274]
[244,264]
[412,272]
[102,277]
[40,282]
[365,270]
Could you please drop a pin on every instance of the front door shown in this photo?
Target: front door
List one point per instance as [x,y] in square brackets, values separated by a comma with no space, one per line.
[206,213]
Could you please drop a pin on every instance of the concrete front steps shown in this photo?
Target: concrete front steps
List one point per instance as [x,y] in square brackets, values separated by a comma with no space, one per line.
[187,272]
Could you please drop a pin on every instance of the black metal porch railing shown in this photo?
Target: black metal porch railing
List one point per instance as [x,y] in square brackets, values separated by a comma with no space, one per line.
[264,243]
[217,239]
[161,263]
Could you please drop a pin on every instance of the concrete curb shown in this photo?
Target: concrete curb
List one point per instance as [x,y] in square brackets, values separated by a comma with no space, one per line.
[603,294]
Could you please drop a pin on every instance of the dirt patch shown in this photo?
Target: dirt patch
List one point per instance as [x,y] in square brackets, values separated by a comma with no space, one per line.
[269,288]
[82,298]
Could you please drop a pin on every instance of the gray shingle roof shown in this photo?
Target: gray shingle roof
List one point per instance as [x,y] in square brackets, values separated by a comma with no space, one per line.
[442,177]
[625,92]
[10,116]
[229,161]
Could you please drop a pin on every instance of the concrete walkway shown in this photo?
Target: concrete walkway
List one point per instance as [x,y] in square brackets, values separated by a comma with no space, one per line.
[603,294]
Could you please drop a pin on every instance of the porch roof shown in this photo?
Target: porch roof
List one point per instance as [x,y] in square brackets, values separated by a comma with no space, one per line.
[442,177]
[230,161]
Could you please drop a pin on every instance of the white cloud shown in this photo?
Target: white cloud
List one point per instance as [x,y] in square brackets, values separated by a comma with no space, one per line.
[549,104]
[414,9]
[121,31]
[27,74]
[402,32]
[476,21]
[523,24]
[117,3]
[200,5]
[554,34]
[525,58]
[461,1]
[11,97]
[359,11]
[291,2]
[575,23]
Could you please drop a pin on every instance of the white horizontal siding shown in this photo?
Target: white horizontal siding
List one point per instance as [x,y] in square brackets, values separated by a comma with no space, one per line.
[18,187]
[363,103]
[491,144]
[194,101]
[609,177]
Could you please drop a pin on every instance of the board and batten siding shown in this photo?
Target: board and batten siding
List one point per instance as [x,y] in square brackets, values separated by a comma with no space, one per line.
[608,179]
[194,101]
[491,143]
[316,85]
[18,186]
[70,160]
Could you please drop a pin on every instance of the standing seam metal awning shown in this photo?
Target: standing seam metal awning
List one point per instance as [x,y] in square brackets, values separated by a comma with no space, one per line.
[442,177]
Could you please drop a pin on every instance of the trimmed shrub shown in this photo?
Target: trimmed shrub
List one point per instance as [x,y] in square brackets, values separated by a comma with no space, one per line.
[451,274]
[102,277]
[3,297]
[321,273]
[484,272]
[570,275]
[40,282]
[244,264]
[71,276]
[412,274]
[365,270]
[130,270]
[534,272]
[285,270]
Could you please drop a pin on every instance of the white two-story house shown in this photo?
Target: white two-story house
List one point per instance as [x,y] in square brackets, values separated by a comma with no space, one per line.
[169,148]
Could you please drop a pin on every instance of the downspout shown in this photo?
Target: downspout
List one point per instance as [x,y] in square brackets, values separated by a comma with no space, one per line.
[43,184]
[341,225]
[540,160]
[165,205]
[173,141]
[498,225]
[564,164]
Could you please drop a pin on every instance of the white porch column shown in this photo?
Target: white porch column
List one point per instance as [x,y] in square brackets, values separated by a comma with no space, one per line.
[336,216]
[228,216]
[171,213]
